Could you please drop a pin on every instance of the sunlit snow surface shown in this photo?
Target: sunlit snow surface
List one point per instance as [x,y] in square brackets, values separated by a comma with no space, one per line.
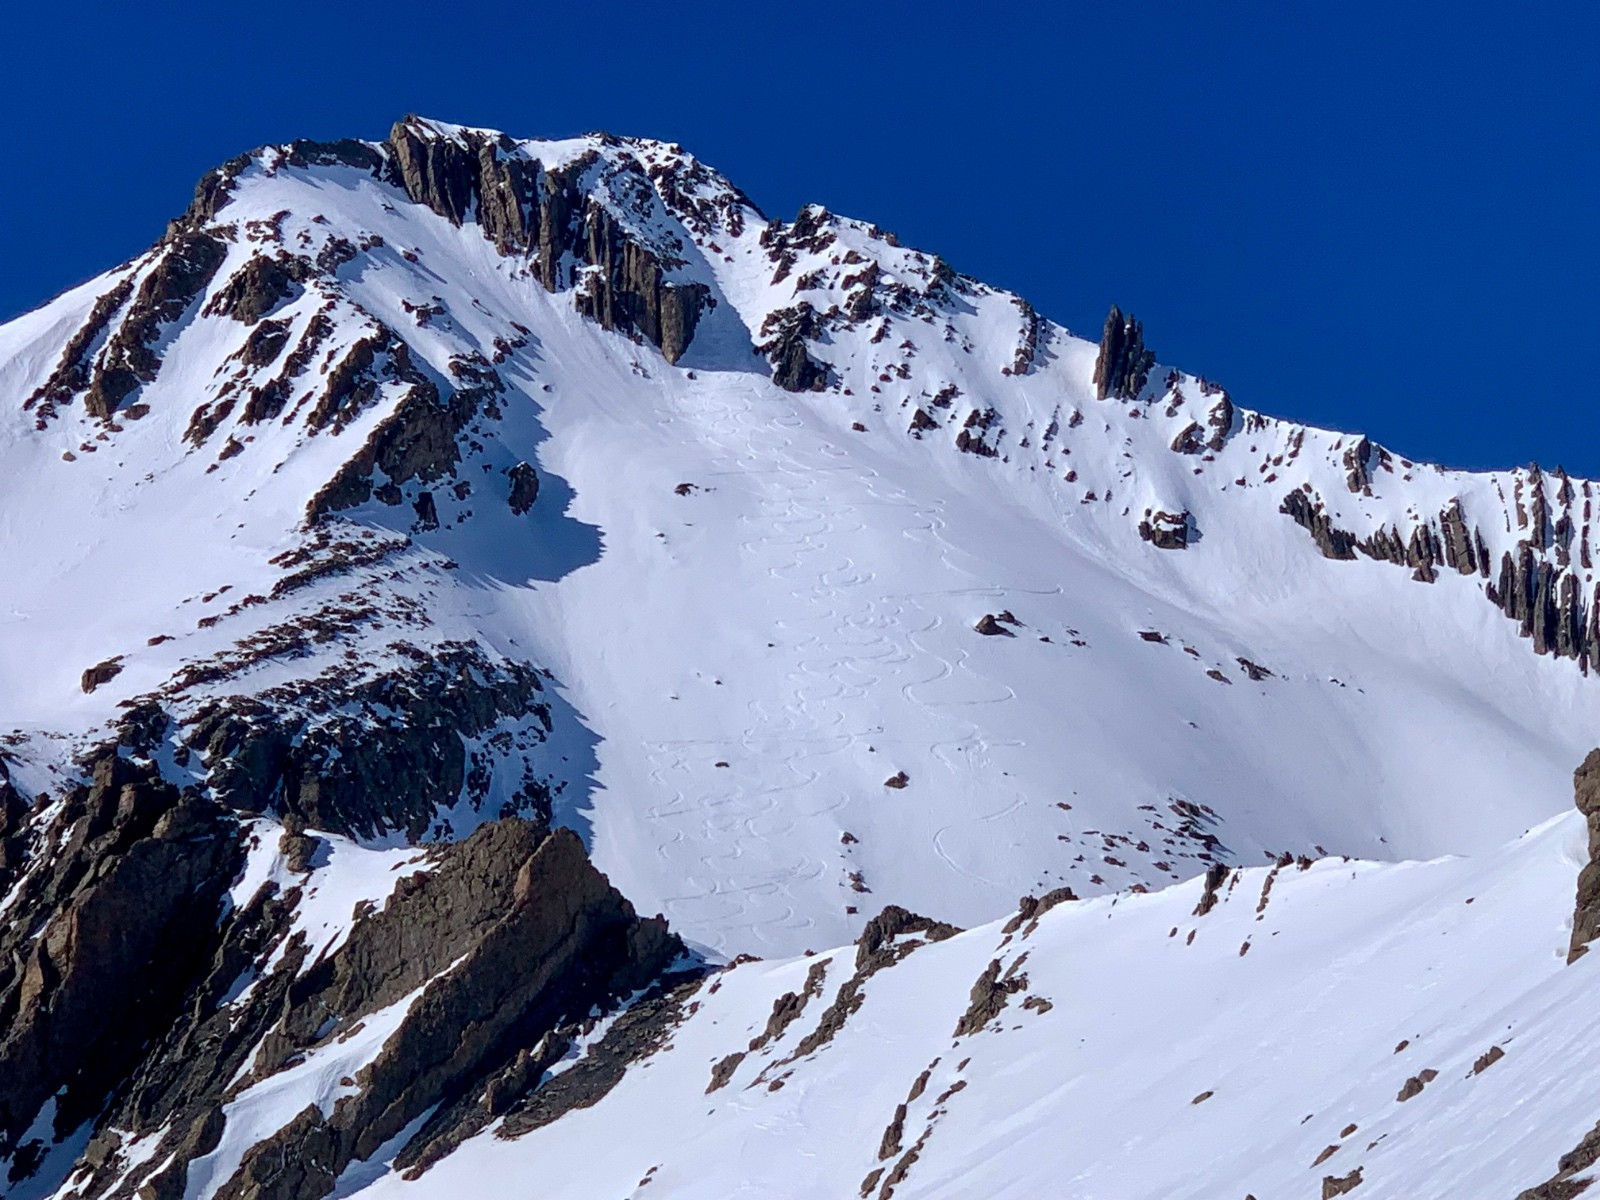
[1095,1096]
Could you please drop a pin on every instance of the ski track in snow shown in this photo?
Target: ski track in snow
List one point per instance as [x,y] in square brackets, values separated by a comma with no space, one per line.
[839,651]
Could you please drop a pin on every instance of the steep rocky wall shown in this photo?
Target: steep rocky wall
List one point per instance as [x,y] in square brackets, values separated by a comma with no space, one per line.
[183,266]
[1586,911]
[118,900]
[121,966]
[524,209]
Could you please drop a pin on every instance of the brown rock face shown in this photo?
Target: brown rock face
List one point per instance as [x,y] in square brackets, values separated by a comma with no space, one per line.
[989,996]
[256,288]
[353,772]
[103,672]
[627,292]
[1166,531]
[524,209]
[1309,515]
[1586,912]
[1123,365]
[544,941]
[509,938]
[787,332]
[122,918]
[435,171]
[185,267]
[1564,1184]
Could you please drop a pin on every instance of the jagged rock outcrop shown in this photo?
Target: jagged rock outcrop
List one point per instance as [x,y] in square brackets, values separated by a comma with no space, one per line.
[1220,417]
[1216,876]
[1166,531]
[1310,515]
[989,995]
[365,758]
[787,330]
[524,209]
[1123,366]
[524,487]
[624,288]
[258,287]
[417,441]
[503,939]
[185,264]
[1547,605]
[438,171]
[1545,598]
[100,673]
[1358,462]
[1566,1183]
[887,939]
[118,913]
[514,934]
[1028,340]
[1586,912]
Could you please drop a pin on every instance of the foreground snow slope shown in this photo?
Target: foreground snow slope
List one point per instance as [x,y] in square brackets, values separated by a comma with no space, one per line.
[1149,1052]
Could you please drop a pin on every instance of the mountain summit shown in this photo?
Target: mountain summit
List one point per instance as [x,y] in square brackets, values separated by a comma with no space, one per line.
[436,554]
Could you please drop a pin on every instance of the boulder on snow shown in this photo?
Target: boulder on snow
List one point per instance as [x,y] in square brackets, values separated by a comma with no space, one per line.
[989,625]
[1165,530]
[101,672]
[524,487]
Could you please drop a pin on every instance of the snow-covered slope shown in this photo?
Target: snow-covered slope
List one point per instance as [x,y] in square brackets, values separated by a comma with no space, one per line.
[409,486]
[1131,1049]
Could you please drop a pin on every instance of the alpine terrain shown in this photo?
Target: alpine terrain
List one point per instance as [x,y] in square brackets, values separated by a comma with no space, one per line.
[523,675]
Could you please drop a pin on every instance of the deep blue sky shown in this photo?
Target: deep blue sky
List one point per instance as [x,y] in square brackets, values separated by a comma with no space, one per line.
[1373,216]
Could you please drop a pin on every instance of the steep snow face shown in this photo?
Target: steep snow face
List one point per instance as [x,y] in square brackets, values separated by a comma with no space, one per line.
[287,451]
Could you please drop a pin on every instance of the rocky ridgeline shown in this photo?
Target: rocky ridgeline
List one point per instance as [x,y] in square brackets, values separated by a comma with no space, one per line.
[552,217]
[1538,584]
[841,288]
[121,963]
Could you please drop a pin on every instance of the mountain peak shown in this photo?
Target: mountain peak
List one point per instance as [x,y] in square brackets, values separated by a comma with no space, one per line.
[432,541]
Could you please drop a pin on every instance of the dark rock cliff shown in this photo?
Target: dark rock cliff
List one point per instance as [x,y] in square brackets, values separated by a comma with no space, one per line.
[121,964]
[1123,365]
[118,899]
[524,209]
[1586,911]
[369,758]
